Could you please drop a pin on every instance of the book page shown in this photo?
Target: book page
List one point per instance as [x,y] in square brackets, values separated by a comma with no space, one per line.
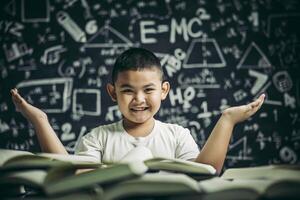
[180,165]
[263,172]
[218,184]
[33,178]
[7,154]
[75,159]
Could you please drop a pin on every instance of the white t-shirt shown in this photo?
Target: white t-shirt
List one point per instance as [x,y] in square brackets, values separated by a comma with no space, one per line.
[110,143]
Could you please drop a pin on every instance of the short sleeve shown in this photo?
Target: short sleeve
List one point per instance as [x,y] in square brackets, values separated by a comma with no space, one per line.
[187,148]
[89,146]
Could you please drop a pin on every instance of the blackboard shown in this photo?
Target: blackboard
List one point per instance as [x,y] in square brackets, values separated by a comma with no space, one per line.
[216,54]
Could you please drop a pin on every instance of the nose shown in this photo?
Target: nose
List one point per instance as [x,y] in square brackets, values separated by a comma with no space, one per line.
[139,97]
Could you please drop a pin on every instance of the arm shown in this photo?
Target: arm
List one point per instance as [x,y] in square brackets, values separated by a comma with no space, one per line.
[47,138]
[215,148]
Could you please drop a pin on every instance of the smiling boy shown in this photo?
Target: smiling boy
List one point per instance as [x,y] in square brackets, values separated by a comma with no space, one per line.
[138,87]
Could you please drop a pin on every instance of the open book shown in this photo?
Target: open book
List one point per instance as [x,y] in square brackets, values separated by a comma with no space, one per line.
[61,179]
[184,187]
[55,174]
[180,186]
[16,160]
[289,172]
[197,170]
[154,185]
[266,182]
[220,188]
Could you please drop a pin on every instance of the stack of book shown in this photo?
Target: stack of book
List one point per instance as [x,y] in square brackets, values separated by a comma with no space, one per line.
[50,176]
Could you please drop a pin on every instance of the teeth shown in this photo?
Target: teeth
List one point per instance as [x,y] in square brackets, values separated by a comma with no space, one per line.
[139,109]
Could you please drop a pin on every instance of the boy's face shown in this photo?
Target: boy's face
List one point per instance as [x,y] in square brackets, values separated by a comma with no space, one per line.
[139,94]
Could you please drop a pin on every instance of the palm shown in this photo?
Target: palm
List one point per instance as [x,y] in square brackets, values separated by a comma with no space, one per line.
[28,111]
[238,114]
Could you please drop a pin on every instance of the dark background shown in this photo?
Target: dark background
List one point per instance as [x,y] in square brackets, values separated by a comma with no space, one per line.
[216,54]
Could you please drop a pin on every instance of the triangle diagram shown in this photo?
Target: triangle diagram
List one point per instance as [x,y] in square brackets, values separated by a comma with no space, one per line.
[107,37]
[254,58]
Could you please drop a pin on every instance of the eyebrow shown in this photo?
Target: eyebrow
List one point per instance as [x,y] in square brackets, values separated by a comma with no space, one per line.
[125,85]
[129,86]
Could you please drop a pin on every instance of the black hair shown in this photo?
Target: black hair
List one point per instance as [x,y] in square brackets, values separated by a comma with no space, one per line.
[136,59]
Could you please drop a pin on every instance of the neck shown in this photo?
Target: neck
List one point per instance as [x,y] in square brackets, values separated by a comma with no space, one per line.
[138,129]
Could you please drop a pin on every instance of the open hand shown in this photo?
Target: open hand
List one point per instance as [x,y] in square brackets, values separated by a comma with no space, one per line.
[17,99]
[238,114]
[28,111]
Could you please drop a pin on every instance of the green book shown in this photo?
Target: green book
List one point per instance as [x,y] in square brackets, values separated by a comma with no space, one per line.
[180,166]
[63,179]
[217,188]
[197,170]
[181,186]
[54,173]
[153,185]
[280,172]
[16,160]
[264,182]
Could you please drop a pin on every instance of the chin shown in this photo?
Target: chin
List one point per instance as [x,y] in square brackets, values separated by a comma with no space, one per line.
[139,121]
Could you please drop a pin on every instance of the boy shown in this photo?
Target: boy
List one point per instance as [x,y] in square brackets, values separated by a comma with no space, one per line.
[138,87]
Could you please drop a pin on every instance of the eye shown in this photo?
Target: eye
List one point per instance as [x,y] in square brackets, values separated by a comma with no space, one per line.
[149,90]
[127,91]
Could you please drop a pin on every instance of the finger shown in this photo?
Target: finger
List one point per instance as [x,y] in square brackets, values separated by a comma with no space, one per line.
[16,97]
[254,104]
[14,91]
[258,102]
[257,106]
[262,99]
[252,107]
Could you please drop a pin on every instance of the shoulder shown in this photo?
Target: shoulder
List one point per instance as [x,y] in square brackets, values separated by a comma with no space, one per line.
[104,130]
[108,127]
[171,128]
[174,130]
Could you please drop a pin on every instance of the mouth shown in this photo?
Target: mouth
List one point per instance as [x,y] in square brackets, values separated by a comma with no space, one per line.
[137,109]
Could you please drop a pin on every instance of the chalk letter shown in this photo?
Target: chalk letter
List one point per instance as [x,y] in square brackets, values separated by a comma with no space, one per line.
[144,31]
[181,29]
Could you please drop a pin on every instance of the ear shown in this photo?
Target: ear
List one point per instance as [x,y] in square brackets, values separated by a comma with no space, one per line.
[111,91]
[165,87]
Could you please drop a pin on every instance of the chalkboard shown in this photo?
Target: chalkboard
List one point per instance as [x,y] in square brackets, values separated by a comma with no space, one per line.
[220,53]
